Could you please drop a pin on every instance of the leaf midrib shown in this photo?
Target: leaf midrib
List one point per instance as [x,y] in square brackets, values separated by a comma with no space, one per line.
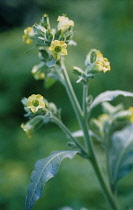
[41,174]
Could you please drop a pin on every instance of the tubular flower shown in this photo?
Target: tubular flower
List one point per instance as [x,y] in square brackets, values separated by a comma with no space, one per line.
[35,102]
[37,74]
[28,33]
[32,125]
[58,48]
[27,128]
[64,23]
[131,116]
[95,58]
[102,64]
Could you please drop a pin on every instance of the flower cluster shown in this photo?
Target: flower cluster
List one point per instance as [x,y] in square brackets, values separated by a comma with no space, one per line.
[113,117]
[51,42]
[55,39]
[94,63]
[39,111]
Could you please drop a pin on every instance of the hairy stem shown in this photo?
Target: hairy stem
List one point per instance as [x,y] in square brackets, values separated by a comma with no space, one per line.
[68,133]
[84,102]
[73,99]
[88,143]
[105,188]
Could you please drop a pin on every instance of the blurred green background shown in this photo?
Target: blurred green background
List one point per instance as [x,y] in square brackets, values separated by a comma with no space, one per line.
[106,25]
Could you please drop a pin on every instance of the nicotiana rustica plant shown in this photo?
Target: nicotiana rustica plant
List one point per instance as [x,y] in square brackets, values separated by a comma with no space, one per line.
[113,129]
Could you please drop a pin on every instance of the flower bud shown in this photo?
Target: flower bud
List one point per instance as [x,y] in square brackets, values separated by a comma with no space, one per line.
[32,125]
[52,108]
[37,72]
[131,114]
[28,34]
[45,21]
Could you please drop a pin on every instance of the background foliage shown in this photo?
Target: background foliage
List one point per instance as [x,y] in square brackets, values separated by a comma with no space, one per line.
[104,25]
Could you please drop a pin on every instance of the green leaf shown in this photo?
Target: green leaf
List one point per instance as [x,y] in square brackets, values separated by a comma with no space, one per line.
[109,96]
[80,133]
[78,71]
[44,170]
[109,109]
[121,153]
[51,63]
[57,35]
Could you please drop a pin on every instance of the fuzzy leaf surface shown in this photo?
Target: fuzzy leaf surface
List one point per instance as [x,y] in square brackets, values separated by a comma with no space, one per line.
[109,96]
[51,63]
[121,153]
[44,170]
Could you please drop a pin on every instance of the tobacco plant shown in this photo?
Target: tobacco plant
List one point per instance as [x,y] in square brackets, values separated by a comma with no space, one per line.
[113,128]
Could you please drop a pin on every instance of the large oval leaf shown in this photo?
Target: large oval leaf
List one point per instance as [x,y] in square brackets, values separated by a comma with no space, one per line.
[109,96]
[121,153]
[44,170]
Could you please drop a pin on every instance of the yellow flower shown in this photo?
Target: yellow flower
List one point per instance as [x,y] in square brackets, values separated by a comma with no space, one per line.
[103,117]
[102,64]
[27,128]
[58,48]
[28,33]
[64,23]
[131,116]
[37,74]
[35,102]
[96,58]
[32,125]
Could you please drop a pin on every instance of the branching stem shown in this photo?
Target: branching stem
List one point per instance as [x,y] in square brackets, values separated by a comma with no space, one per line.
[87,140]
[68,133]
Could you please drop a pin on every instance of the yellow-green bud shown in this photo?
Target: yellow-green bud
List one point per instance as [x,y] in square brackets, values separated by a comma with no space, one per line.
[32,125]
[28,34]
[131,115]
[36,72]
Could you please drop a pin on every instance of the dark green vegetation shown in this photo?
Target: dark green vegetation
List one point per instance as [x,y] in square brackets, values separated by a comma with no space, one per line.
[104,25]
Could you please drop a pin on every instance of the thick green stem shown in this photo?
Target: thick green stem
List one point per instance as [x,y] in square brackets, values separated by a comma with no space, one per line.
[84,102]
[73,99]
[88,143]
[105,188]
